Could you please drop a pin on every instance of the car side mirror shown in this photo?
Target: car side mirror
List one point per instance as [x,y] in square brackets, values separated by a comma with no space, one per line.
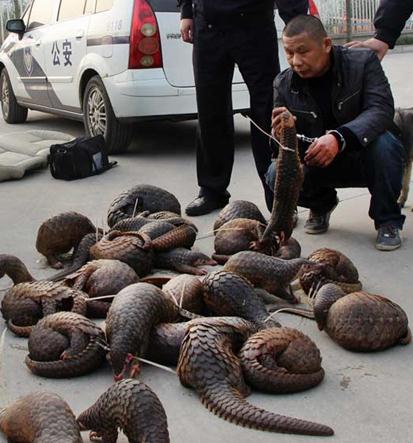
[16,26]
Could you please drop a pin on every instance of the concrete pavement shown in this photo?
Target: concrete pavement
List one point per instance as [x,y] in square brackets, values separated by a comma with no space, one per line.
[364,397]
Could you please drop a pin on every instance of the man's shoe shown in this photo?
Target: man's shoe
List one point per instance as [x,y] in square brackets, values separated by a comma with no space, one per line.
[204,205]
[318,223]
[388,238]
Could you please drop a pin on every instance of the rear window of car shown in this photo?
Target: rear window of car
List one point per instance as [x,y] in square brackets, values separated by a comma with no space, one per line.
[164,5]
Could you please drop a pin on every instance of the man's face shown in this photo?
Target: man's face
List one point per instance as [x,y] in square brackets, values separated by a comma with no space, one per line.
[307,56]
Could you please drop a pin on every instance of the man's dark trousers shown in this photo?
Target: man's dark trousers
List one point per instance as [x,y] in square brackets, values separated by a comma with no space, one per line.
[252,45]
[379,166]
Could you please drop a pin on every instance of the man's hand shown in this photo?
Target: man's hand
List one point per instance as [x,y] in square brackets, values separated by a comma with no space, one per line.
[276,119]
[379,47]
[322,152]
[187,28]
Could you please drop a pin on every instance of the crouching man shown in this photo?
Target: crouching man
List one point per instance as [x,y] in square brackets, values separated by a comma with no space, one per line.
[341,97]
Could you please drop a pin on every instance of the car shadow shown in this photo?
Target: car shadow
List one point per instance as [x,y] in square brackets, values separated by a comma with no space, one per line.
[164,136]
[160,137]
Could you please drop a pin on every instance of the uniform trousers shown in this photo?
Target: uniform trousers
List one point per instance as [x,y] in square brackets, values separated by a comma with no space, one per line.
[253,47]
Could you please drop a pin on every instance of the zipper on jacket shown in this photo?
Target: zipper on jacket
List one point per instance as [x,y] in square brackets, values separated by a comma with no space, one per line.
[340,104]
[312,113]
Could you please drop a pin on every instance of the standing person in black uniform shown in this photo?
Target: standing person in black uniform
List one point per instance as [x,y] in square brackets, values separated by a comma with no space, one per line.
[225,33]
[389,21]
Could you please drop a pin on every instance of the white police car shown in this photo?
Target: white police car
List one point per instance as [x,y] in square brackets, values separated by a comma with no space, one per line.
[106,62]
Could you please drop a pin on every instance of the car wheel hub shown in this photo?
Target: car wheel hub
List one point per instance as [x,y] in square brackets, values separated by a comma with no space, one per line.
[96,111]
[5,97]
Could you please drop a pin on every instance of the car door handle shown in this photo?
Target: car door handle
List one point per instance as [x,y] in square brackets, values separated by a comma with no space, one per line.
[38,42]
[80,34]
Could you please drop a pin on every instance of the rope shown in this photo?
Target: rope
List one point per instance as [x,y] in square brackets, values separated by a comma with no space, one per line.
[268,135]
[157,365]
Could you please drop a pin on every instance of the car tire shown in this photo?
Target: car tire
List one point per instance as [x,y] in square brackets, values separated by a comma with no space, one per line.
[12,111]
[99,118]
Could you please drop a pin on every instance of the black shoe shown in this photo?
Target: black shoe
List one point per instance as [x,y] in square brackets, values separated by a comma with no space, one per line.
[318,223]
[204,205]
[388,238]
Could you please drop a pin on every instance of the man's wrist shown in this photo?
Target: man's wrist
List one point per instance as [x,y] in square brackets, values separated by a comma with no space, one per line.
[340,139]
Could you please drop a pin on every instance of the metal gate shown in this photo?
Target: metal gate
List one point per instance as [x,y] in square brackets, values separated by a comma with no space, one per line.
[359,14]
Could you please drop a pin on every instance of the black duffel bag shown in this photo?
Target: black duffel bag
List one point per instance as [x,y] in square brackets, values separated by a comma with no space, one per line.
[79,158]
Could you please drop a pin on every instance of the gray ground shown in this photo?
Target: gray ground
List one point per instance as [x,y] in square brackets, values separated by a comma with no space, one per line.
[364,397]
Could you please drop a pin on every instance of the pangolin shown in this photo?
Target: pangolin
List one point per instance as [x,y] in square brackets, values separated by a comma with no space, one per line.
[141,198]
[289,250]
[40,417]
[281,360]
[143,218]
[167,215]
[100,278]
[208,363]
[81,255]
[329,266]
[134,311]
[14,268]
[182,236]
[165,342]
[25,304]
[288,182]
[234,236]
[164,235]
[360,321]
[263,271]
[129,247]
[156,228]
[131,406]
[229,294]
[132,223]
[187,290]
[61,233]
[238,209]
[183,260]
[84,351]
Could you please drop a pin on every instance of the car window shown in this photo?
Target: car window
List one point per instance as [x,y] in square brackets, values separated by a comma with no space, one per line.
[71,9]
[103,5]
[90,7]
[41,13]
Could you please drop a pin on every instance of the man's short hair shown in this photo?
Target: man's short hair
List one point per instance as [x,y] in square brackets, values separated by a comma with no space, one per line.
[308,24]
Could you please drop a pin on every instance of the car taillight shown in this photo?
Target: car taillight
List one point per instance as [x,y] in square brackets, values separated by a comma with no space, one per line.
[312,8]
[145,41]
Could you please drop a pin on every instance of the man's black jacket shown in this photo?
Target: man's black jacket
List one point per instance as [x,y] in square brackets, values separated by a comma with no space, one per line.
[362,102]
[219,9]
[390,19]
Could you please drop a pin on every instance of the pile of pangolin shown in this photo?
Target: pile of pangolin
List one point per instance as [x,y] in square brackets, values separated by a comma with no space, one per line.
[215,326]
